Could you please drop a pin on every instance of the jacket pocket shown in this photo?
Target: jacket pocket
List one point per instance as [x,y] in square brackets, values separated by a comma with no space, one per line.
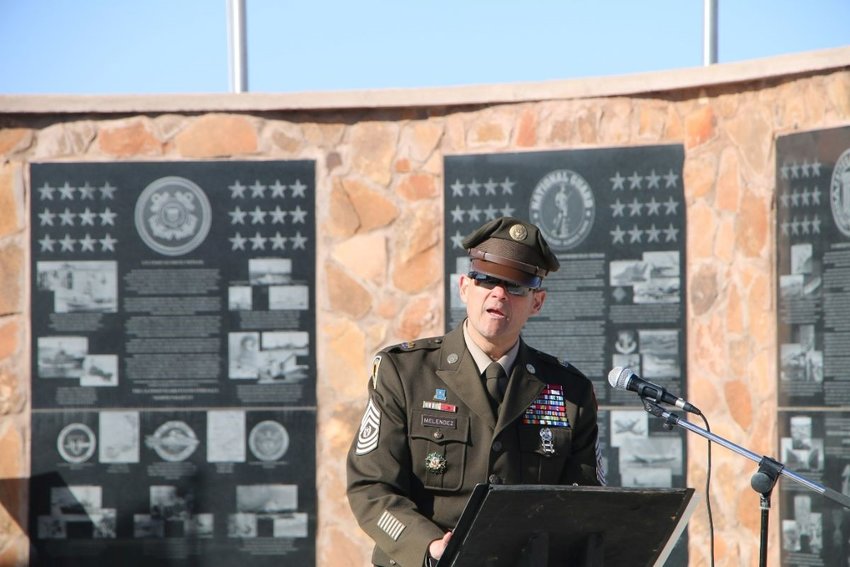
[438,445]
[544,452]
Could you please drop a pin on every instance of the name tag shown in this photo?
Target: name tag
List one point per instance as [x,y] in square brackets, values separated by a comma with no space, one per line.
[439,421]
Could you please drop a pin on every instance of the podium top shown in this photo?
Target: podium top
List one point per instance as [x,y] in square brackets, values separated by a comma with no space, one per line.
[633,526]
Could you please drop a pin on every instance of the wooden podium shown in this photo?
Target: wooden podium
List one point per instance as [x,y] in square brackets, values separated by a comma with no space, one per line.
[568,526]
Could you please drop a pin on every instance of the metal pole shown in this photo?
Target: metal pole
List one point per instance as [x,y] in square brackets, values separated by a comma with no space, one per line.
[236,49]
[709,32]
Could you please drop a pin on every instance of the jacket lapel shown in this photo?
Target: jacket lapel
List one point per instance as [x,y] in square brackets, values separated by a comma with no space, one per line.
[523,388]
[459,372]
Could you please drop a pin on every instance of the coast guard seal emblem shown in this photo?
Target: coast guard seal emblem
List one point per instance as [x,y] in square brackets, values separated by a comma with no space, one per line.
[839,193]
[173,216]
[563,207]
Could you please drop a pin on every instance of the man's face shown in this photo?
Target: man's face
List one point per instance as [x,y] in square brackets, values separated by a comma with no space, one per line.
[496,317]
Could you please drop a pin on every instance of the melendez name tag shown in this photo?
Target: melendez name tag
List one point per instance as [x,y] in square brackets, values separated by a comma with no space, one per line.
[439,421]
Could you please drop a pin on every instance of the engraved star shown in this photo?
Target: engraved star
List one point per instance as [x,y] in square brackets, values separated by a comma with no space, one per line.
[237,190]
[474,214]
[670,233]
[785,226]
[804,196]
[86,191]
[816,196]
[635,208]
[784,171]
[617,235]
[795,198]
[258,190]
[490,212]
[670,206]
[635,235]
[457,188]
[237,215]
[457,214]
[278,215]
[67,243]
[278,242]
[87,243]
[258,242]
[298,189]
[653,179]
[795,170]
[299,241]
[783,199]
[107,217]
[816,168]
[66,192]
[652,234]
[46,192]
[457,239]
[67,217]
[617,182]
[634,180]
[278,189]
[237,242]
[670,179]
[46,243]
[87,217]
[107,243]
[816,225]
[804,224]
[508,210]
[107,191]
[474,188]
[490,187]
[652,207]
[617,208]
[298,215]
[46,217]
[508,186]
[805,168]
[258,216]
[795,226]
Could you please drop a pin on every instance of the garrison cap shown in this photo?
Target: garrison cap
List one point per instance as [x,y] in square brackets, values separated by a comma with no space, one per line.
[511,249]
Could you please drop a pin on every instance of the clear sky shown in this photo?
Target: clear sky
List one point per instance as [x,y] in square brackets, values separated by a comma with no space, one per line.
[180,46]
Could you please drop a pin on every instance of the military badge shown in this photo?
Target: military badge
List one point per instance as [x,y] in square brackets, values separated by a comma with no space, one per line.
[440,394]
[376,364]
[548,409]
[546,442]
[370,426]
[435,463]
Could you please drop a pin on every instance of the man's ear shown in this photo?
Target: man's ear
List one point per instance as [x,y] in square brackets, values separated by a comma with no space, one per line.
[463,284]
[537,301]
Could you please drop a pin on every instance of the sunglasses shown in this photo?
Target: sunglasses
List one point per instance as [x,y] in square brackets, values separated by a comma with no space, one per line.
[489,282]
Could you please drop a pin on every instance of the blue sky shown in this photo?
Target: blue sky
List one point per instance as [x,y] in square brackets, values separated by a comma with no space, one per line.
[180,46]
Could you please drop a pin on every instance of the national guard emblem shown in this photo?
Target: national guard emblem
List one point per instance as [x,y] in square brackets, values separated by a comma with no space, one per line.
[563,208]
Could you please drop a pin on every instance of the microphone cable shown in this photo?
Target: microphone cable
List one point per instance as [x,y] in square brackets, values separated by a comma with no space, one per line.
[707,491]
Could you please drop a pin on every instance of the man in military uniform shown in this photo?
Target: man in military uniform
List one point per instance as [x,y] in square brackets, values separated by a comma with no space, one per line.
[475,406]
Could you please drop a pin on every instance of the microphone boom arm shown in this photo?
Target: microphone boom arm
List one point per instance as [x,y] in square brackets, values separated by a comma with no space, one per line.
[673,419]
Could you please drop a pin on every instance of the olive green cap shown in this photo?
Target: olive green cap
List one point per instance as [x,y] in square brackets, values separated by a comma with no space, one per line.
[511,249]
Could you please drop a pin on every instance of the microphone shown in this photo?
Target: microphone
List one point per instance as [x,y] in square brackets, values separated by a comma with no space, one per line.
[624,379]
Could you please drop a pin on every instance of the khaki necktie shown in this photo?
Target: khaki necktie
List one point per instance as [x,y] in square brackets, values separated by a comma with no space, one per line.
[495,378]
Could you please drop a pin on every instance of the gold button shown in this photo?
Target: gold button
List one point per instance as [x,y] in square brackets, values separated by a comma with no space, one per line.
[438,435]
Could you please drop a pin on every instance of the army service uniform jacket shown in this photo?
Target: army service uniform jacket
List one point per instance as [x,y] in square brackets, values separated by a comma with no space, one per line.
[429,435]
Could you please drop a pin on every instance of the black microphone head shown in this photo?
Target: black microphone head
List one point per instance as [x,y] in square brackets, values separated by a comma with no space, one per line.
[619,377]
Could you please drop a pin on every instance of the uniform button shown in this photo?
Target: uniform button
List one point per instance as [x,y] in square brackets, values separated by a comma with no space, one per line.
[392,562]
[497,446]
[494,479]
[438,435]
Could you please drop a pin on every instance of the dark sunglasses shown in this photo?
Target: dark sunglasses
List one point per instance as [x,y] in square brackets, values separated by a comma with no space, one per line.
[489,282]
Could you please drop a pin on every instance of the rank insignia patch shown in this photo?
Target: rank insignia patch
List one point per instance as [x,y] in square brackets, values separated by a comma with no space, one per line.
[370,426]
[548,408]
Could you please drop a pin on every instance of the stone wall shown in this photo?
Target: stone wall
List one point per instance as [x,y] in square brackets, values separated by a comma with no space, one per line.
[379,214]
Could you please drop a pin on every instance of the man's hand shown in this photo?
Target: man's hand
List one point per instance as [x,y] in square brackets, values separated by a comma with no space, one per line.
[438,546]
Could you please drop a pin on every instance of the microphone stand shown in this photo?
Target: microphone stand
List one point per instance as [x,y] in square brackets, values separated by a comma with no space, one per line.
[762,481]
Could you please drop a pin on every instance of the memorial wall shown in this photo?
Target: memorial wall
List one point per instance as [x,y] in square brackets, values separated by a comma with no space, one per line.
[192,289]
